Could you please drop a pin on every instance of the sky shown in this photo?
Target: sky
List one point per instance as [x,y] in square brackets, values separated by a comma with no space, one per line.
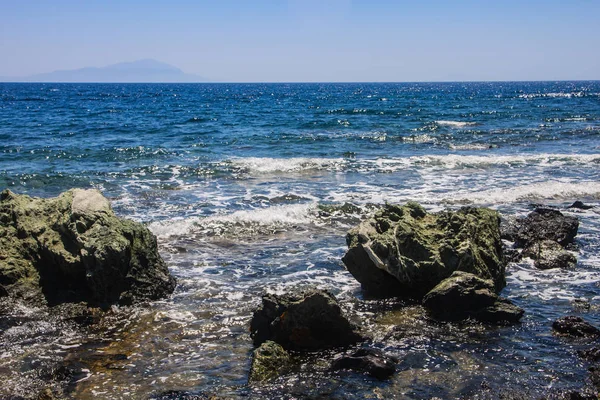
[309,40]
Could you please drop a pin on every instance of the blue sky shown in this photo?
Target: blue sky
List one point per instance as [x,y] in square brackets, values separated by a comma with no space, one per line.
[309,40]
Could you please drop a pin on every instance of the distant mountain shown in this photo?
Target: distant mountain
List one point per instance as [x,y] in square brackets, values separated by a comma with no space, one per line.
[136,71]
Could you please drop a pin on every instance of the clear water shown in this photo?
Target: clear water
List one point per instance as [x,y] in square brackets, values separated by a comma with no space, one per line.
[251,187]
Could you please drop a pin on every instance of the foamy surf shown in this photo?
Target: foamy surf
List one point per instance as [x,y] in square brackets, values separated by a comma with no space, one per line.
[455,124]
[268,165]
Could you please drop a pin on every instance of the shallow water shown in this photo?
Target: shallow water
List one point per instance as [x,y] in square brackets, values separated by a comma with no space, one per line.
[253,187]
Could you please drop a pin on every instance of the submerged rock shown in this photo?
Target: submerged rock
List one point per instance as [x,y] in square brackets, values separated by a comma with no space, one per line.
[269,360]
[464,295]
[405,251]
[548,254]
[575,327]
[73,248]
[373,362]
[580,205]
[310,320]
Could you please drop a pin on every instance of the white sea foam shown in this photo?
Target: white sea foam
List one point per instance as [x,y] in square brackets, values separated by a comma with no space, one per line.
[547,190]
[266,165]
[238,222]
[455,124]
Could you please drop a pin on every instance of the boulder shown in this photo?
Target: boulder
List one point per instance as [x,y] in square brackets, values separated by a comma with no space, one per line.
[405,251]
[575,327]
[73,248]
[373,362]
[269,361]
[310,320]
[545,224]
[464,295]
[548,254]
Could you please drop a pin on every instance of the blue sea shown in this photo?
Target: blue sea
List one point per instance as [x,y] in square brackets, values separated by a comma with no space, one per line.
[252,188]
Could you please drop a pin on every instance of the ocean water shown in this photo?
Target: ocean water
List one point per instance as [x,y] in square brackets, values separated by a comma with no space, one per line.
[252,187]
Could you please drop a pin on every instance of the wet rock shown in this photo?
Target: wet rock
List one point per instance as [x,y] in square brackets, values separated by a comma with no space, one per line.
[73,248]
[269,361]
[592,354]
[545,224]
[405,251]
[575,327]
[181,395]
[580,205]
[548,254]
[373,362]
[310,320]
[464,295]
[3,291]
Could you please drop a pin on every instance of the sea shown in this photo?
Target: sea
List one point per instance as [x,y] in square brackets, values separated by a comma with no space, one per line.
[251,188]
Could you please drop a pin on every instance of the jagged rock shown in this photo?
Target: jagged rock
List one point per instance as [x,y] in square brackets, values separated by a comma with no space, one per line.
[545,224]
[405,251]
[464,295]
[373,362]
[269,360]
[548,254]
[310,320]
[73,248]
[575,326]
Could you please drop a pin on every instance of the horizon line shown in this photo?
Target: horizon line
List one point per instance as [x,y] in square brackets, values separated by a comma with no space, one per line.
[302,82]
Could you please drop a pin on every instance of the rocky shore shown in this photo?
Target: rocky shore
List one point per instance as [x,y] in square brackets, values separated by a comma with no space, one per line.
[434,277]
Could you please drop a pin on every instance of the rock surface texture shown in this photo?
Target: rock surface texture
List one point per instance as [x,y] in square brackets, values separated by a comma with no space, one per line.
[73,248]
[269,361]
[543,236]
[405,251]
[464,295]
[575,327]
[307,321]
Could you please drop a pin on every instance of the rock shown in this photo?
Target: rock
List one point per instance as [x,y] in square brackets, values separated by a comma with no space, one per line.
[575,326]
[464,295]
[579,205]
[3,291]
[73,248]
[549,254]
[592,354]
[269,360]
[310,320]
[545,224]
[373,362]
[405,251]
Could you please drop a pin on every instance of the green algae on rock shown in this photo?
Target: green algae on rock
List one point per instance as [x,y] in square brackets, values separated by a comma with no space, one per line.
[405,251]
[73,248]
[269,361]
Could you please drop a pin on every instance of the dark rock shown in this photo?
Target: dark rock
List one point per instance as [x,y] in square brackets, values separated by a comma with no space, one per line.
[405,251]
[73,248]
[464,295]
[180,395]
[579,205]
[3,291]
[269,360]
[373,362]
[310,320]
[545,224]
[592,354]
[548,254]
[575,326]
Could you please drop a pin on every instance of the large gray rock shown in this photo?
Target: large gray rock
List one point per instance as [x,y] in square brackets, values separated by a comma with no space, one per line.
[464,295]
[309,321]
[405,251]
[73,248]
